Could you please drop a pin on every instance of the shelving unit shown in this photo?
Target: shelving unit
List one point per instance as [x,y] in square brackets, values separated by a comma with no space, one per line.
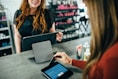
[67,19]
[6,45]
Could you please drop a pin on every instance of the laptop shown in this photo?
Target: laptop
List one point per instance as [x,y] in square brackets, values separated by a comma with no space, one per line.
[42,51]
[29,40]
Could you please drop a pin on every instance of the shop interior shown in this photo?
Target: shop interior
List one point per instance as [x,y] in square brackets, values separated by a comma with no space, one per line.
[70,18]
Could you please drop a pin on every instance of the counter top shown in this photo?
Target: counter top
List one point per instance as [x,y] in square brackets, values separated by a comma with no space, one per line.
[23,66]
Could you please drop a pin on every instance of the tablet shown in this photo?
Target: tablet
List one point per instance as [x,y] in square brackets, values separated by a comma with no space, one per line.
[29,40]
[56,71]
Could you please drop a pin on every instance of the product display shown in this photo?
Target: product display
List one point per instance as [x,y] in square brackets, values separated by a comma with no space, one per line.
[6,46]
[67,19]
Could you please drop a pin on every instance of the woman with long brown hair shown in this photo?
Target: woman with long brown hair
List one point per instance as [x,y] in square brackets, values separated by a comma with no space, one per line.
[103,61]
[32,18]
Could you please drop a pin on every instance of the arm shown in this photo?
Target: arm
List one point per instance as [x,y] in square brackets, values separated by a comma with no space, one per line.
[79,63]
[59,35]
[17,40]
[51,25]
[110,69]
[64,58]
[17,36]
[52,29]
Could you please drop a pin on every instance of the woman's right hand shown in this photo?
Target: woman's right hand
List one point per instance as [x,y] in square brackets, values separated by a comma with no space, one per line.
[63,57]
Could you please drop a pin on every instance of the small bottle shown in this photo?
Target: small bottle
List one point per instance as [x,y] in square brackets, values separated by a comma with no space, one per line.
[86,51]
[79,51]
[86,54]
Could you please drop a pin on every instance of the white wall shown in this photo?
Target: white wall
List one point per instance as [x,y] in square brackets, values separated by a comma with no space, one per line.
[12,6]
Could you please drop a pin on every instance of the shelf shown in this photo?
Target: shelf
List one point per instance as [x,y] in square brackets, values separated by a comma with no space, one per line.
[6,37]
[59,30]
[64,17]
[70,38]
[66,24]
[3,20]
[64,10]
[6,42]
[6,47]
[71,30]
[4,28]
[2,10]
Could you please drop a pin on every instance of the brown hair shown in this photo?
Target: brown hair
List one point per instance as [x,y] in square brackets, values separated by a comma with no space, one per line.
[104,22]
[39,20]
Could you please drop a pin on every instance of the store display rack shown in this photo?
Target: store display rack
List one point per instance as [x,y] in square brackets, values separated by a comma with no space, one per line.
[67,19]
[6,46]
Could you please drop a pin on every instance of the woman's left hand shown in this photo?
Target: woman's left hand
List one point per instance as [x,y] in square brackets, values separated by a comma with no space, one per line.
[59,36]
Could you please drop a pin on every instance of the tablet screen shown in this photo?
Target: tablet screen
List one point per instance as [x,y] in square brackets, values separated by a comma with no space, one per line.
[56,71]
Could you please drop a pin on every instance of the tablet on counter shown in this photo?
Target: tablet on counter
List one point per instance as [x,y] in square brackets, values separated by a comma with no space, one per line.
[56,71]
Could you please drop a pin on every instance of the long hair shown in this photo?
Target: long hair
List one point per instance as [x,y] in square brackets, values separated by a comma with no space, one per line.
[104,23]
[39,20]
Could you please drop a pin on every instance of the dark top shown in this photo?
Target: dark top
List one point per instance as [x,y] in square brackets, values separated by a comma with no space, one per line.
[26,28]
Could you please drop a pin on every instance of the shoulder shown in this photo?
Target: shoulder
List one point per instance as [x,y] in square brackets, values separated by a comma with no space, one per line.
[46,11]
[109,62]
[18,12]
[111,53]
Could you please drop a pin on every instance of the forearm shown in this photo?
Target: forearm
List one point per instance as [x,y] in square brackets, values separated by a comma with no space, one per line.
[52,29]
[79,63]
[17,44]
[17,39]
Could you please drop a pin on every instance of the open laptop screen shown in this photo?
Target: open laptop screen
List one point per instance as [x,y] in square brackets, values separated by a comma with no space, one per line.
[29,40]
